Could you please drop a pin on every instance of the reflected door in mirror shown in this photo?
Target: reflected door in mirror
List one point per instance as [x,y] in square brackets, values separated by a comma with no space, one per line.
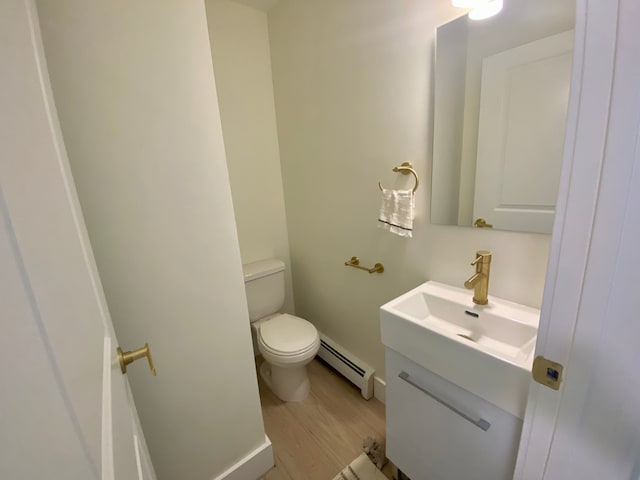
[523,106]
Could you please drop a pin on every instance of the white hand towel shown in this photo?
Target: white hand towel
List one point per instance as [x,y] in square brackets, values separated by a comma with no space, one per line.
[396,212]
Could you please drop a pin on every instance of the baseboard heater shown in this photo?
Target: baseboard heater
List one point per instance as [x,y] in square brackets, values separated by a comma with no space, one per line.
[350,366]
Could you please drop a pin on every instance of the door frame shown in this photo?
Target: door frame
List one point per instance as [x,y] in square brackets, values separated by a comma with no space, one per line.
[580,213]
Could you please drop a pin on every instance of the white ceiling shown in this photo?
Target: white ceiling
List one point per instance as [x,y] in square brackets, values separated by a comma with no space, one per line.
[264,5]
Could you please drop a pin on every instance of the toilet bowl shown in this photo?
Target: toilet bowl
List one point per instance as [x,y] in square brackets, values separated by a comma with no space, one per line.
[287,344]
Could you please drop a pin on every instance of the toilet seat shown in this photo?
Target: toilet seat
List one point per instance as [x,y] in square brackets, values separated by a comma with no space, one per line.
[288,336]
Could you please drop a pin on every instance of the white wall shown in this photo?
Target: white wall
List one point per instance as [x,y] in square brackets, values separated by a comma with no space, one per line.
[135,92]
[241,59]
[353,82]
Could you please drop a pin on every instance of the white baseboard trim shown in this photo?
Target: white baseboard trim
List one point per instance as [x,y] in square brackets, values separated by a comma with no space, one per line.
[380,389]
[253,466]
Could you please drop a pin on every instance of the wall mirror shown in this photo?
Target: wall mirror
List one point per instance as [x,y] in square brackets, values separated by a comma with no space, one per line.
[501,94]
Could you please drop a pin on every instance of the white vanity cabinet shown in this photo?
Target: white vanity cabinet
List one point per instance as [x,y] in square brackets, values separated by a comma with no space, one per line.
[439,431]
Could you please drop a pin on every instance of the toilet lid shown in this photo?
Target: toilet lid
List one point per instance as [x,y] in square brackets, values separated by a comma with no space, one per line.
[287,334]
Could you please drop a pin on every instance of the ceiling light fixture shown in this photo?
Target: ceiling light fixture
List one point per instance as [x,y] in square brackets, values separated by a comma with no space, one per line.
[485,9]
[480,9]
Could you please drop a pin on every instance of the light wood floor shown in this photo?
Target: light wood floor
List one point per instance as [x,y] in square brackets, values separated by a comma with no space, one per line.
[316,438]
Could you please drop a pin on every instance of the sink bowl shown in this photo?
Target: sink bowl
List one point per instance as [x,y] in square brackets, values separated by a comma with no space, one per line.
[486,349]
[502,328]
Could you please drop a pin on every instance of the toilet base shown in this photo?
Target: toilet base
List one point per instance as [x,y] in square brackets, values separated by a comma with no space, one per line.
[288,384]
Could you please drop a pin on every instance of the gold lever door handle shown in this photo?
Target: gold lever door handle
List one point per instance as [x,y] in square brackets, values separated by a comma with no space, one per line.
[482,223]
[126,358]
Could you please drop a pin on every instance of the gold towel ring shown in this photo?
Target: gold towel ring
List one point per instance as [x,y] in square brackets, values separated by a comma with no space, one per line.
[406,168]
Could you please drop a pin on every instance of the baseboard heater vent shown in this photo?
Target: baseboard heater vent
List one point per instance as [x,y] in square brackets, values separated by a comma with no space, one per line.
[350,366]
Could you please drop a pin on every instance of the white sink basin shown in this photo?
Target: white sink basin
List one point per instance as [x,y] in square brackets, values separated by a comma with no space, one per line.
[486,349]
[502,328]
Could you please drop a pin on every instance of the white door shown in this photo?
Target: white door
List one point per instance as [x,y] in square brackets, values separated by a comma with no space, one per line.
[590,323]
[523,110]
[66,410]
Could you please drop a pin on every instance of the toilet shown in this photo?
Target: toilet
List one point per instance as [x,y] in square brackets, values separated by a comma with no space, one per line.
[287,343]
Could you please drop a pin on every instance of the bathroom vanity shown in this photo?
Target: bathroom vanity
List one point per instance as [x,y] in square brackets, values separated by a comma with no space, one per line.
[457,382]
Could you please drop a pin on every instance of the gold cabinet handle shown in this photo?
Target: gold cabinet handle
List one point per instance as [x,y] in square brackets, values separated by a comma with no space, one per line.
[482,223]
[126,358]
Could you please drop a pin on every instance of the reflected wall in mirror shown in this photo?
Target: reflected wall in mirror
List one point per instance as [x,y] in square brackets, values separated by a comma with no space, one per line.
[501,94]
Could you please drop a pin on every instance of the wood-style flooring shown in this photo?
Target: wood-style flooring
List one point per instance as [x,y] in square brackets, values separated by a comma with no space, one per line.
[315,439]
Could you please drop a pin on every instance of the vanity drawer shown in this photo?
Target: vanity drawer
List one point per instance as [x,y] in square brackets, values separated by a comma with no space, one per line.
[439,431]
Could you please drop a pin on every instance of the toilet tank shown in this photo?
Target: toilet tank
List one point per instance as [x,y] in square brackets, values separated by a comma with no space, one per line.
[264,284]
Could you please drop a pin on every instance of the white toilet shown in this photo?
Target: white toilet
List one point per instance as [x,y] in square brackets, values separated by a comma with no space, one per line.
[286,342]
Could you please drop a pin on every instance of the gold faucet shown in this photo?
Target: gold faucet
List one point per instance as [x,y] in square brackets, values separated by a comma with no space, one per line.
[480,280]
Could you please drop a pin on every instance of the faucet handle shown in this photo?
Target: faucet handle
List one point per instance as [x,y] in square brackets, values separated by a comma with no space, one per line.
[482,256]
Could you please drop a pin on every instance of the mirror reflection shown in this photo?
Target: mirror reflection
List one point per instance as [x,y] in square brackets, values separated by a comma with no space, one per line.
[501,94]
